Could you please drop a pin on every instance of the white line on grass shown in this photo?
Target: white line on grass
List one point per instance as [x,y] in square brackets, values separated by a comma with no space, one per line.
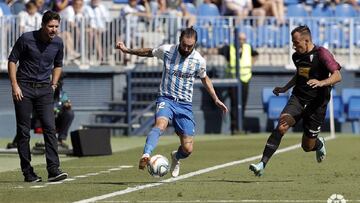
[188,175]
[79,176]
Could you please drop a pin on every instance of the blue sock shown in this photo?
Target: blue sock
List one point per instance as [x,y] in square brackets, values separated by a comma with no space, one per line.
[180,154]
[152,140]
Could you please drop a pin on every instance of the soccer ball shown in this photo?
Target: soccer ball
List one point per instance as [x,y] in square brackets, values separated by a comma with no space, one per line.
[158,166]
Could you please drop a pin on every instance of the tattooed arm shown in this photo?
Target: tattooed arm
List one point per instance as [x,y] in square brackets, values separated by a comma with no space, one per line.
[146,52]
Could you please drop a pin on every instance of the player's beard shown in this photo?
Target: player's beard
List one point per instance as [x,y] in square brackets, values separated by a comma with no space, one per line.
[184,53]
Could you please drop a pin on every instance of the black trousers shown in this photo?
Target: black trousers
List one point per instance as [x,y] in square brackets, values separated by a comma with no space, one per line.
[63,122]
[39,99]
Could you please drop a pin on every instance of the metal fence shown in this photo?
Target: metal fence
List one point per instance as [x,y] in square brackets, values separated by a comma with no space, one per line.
[86,46]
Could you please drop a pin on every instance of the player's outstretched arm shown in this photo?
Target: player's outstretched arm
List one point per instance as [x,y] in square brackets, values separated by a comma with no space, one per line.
[210,89]
[290,84]
[146,52]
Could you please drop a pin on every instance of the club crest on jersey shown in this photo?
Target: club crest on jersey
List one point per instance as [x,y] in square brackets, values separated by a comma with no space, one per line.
[304,71]
[311,57]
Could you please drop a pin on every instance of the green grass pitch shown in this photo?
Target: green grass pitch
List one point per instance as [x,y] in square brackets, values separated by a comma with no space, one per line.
[290,176]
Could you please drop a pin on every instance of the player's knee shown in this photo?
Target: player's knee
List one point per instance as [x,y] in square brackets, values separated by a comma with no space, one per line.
[187,148]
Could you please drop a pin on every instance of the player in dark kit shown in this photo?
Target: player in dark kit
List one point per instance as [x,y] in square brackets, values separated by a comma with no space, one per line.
[309,99]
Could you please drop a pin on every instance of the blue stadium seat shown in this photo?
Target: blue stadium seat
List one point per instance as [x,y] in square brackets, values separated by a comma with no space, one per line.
[120,1]
[276,105]
[338,109]
[345,10]
[204,21]
[5,9]
[356,34]
[297,11]
[208,10]
[335,37]
[267,92]
[322,10]
[347,93]
[190,7]
[289,2]
[353,113]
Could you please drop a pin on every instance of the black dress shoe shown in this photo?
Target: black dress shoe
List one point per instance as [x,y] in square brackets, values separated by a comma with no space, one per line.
[32,178]
[57,175]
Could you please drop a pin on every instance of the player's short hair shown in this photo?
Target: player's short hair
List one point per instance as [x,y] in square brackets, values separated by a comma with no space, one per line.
[189,32]
[49,16]
[303,30]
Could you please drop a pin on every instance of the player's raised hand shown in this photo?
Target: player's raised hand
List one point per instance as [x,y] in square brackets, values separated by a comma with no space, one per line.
[278,90]
[120,45]
[221,106]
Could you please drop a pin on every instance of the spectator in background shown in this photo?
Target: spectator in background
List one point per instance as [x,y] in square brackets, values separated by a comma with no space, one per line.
[30,19]
[240,8]
[60,5]
[72,17]
[41,5]
[269,8]
[135,9]
[247,57]
[101,18]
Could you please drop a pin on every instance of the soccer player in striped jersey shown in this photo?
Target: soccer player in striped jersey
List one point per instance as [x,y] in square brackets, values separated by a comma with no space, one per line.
[182,63]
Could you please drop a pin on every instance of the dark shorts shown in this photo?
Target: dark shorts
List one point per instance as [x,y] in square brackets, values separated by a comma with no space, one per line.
[313,114]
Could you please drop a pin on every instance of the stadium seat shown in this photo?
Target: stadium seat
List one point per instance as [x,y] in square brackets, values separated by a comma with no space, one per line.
[120,1]
[322,10]
[347,93]
[190,7]
[204,23]
[289,2]
[265,95]
[208,10]
[338,109]
[353,113]
[297,11]
[344,10]
[276,105]
[5,9]
[356,34]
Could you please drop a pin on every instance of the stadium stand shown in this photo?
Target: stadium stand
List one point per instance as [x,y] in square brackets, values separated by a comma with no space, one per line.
[353,113]
[276,105]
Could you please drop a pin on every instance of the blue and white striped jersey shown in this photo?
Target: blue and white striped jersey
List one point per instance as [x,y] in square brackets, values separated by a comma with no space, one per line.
[179,72]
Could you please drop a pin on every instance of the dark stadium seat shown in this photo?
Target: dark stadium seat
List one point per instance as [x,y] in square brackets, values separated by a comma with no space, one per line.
[353,113]
[276,105]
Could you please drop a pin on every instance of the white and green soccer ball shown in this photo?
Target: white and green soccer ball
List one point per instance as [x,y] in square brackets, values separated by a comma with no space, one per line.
[158,166]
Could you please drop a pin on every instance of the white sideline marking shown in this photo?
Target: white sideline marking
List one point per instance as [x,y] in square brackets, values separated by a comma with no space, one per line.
[80,176]
[188,175]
